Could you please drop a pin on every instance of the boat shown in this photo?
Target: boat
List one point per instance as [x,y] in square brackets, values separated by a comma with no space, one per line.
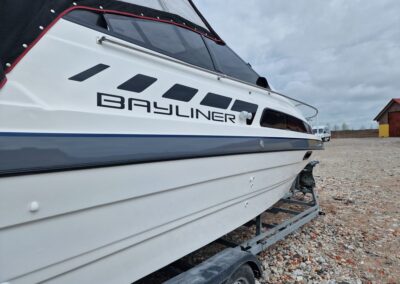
[131,135]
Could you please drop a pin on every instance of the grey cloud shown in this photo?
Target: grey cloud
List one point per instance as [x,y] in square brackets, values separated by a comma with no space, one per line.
[341,56]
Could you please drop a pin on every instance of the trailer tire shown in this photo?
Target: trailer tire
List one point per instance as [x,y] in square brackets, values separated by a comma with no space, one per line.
[243,275]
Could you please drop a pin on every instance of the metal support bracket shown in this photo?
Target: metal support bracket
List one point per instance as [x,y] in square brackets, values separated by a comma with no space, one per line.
[273,233]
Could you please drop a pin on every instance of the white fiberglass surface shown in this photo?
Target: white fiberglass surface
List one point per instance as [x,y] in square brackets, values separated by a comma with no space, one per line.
[71,107]
[129,215]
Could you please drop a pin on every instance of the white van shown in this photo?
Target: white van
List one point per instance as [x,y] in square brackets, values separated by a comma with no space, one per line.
[322,132]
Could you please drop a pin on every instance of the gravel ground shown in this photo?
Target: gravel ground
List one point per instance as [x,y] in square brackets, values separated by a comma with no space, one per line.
[358,240]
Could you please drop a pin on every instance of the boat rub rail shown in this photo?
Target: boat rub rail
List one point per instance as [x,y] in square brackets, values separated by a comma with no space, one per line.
[28,153]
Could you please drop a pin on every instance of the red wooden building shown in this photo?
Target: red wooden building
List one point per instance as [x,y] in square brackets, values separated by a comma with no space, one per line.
[389,119]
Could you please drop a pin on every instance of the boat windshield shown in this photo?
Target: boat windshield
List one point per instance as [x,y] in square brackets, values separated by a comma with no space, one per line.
[182,44]
[229,63]
[225,59]
[182,8]
[168,39]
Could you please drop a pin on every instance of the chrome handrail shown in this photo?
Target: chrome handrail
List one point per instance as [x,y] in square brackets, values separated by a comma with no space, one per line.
[102,39]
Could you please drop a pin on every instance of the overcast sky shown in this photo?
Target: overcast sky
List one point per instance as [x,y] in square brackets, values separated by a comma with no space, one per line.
[342,56]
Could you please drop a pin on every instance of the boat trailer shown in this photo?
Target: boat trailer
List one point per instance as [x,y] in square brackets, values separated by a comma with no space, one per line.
[230,264]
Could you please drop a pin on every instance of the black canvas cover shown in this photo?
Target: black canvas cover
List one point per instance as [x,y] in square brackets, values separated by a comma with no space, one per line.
[22,21]
[2,76]
[18,25]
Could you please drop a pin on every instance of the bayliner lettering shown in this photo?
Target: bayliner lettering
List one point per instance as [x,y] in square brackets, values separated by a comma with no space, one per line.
[132,104]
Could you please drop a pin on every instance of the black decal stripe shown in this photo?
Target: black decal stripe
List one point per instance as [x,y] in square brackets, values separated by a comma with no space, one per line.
[89,73]
[244,106]
[138,83]
[217,101]
[180,93]
[240,106]
[24,153]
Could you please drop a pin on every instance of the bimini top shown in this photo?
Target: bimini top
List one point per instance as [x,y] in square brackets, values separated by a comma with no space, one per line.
[23,22]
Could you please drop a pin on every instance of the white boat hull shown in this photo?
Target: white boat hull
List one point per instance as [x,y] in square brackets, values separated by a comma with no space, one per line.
[123,219]
[100,184]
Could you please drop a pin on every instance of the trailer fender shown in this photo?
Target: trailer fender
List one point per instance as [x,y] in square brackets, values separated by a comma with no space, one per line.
[219,268]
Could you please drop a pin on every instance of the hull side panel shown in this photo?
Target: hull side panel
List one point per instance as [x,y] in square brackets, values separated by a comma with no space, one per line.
[117,210]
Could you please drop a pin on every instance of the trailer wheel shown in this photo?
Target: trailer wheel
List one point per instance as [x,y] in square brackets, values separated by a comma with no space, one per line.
[244,275]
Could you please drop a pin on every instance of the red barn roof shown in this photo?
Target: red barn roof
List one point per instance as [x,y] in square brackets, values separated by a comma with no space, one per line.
[392,101]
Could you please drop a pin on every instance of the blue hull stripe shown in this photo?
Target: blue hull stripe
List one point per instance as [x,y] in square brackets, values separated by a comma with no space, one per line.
[24,153]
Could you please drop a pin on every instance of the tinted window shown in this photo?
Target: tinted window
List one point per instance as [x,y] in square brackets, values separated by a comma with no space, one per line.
[275,119]
[308,127]
[165,38]
[87,18]
[229,63]
[295,124]
[126,28]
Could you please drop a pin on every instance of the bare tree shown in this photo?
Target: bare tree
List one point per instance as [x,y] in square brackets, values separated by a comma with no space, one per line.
[345,126]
